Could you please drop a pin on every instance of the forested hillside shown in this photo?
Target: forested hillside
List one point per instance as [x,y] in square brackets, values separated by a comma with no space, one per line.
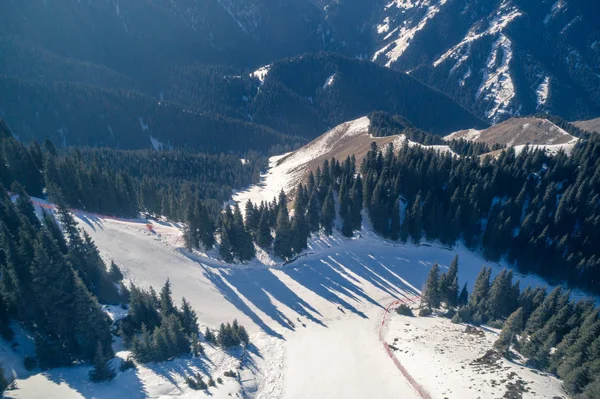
[338,89]
[76,114]
[123,183]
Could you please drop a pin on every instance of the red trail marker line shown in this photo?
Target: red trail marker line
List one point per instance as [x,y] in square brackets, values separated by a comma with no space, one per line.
[416,386]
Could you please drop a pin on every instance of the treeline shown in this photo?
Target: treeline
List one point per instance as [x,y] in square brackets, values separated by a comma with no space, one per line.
[539,211]
[123,183]
[555,333]
[269,224]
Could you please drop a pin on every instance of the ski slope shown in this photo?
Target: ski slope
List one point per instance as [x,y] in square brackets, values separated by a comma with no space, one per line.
[315,323]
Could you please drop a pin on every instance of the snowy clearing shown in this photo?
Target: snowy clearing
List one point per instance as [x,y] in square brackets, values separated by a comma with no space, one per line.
[445,358]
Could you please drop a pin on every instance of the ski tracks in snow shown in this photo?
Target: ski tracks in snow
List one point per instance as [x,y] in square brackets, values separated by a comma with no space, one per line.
[416,386]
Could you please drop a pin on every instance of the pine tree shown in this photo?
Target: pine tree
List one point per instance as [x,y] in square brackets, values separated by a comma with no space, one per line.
[4,383]
[66,309]
[283,234]
[463,297]
[264,238]
[189,319]
[102,370]
[209,336]
[328,213]
[416,220]
[478,298]
[512,327]
[313,213]
[356,205]
[500,303]
[166,299]
[225,249]
[115,273]
[431,293]
[347,222]
[449,284]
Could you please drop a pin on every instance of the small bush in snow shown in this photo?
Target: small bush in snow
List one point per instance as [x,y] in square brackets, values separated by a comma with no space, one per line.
[219,380]
[404,310]
[231,374]
[425,312]
[30,363]
[127,364]
[195,382]
[211,382]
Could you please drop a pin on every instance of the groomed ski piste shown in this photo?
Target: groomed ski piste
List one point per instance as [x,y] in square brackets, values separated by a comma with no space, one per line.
[321,325]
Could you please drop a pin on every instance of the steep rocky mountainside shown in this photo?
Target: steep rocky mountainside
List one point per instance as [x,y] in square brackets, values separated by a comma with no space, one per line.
[500,58]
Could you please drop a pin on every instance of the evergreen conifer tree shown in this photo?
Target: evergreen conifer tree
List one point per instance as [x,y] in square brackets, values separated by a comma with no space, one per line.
[102,370]
[431,293]
[463,297]
[512,327]
[282,245]
[328,213]
[189,319]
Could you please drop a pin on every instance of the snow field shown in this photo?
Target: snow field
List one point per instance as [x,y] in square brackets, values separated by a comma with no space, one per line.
[440,355]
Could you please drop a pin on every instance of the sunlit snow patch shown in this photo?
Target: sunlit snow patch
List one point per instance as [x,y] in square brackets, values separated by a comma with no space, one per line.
[542,92]
[261,73]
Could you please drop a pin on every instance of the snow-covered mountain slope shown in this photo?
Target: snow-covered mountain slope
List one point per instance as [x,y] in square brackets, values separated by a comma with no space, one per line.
[499,58]
[347,139]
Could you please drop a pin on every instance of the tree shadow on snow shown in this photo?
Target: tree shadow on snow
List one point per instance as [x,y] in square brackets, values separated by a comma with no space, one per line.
[228,293]
[126,384]
[327,283]
[259,285]
[337,274]
[91,221]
